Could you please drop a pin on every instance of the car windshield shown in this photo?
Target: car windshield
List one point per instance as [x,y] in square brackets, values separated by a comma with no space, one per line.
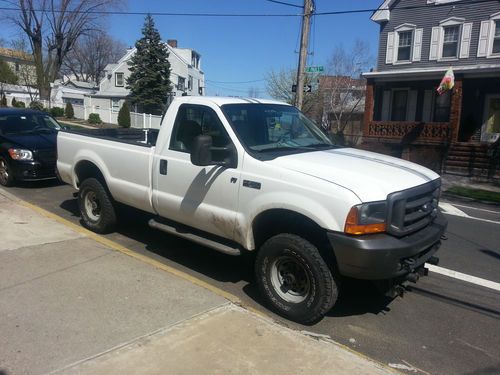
[274,127]
[27,123]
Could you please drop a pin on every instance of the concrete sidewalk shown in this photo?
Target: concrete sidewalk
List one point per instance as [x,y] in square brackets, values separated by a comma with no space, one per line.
[69,303]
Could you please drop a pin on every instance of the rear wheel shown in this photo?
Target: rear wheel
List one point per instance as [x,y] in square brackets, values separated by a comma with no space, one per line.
[96,207]
[6,177]
[294,278]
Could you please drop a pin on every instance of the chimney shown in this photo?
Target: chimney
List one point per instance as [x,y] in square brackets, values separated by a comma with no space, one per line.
[172,43]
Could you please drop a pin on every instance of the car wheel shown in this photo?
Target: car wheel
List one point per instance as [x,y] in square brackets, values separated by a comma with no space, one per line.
[294,278]
[96,207]
[6,177]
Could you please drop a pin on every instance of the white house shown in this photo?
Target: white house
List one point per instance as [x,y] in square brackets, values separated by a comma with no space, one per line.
[71,91]
[185,74]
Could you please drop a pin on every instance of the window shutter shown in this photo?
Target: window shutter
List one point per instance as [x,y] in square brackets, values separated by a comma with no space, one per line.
[386,105]
[433,53]
[417,45]
[389,52]
[484,36]
[465,42]
[411,108]
[427,106]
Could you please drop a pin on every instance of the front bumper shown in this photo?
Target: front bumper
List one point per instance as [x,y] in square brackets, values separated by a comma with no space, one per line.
[382,256]
[32,170]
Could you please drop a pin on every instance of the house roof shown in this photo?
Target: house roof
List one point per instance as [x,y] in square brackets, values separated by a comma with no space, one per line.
[81,84]
[15,54]
[383,13]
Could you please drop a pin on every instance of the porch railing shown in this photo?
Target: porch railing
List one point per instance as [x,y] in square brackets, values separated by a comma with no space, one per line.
[426,131]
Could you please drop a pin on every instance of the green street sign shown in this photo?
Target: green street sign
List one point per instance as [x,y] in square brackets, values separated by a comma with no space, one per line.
[314,69]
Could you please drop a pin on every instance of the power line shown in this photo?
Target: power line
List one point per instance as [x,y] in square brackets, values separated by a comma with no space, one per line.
[326,13]
[236,82]
[283,3]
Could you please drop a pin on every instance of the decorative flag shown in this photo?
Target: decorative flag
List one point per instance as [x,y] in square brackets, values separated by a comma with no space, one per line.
[447,82]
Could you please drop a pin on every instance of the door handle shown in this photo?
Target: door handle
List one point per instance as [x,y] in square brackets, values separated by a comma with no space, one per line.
[163,167]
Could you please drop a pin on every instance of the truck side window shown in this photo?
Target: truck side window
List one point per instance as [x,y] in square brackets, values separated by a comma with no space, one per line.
[193,120]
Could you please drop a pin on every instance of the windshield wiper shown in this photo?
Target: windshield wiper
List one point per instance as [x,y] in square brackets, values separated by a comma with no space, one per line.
[284,148]
[319,145]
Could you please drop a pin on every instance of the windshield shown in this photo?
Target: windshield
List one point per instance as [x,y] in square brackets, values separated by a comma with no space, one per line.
[27,123]
[274,127]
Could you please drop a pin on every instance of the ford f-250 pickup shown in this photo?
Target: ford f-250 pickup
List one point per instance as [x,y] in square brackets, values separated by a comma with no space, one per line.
[240,175]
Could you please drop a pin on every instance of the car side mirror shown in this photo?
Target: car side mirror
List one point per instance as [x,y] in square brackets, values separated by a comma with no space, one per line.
[201,153]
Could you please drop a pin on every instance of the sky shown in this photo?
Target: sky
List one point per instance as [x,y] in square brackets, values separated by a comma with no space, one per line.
[237,50]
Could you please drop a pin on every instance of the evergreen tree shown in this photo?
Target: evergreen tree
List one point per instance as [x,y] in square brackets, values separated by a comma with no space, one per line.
[7,75]
[3,101]
[149,81]
[68,111]
[13,103]
[124,116]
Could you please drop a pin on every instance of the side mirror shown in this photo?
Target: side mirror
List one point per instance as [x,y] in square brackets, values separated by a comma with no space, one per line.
[201,153]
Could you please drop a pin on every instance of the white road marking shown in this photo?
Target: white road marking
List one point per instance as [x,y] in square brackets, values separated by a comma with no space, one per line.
[449,209]
[476,208]
[464,277]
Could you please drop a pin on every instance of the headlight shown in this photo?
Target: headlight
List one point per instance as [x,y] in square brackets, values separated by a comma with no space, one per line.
[20,154]
[367,218]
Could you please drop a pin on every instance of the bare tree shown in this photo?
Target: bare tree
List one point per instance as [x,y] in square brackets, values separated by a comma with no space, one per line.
[52,28]
[90,55]
[343,88]
[253,92]
[279,86]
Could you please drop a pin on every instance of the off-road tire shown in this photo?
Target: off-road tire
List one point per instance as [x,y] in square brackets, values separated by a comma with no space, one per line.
[102,218]
[7,178]
[304,304]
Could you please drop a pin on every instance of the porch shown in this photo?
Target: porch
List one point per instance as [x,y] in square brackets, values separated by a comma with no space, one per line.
[457,132]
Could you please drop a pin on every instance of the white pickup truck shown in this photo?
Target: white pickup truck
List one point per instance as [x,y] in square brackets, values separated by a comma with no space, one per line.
[240,175]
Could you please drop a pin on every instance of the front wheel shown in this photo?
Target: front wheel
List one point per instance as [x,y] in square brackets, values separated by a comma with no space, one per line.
[6,177]
[294,279]
[96,207]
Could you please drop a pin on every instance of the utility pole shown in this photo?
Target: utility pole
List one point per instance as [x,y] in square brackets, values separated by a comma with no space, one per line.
[304,42]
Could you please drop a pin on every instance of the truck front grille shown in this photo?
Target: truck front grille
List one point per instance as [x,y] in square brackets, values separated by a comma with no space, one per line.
[413,209]
[46,156]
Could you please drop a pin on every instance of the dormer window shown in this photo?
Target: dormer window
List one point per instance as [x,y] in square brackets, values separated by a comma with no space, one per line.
[404,48]
[450,41]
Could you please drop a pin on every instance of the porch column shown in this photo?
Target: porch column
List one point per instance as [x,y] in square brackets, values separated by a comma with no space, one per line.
[456,108]
[368,106]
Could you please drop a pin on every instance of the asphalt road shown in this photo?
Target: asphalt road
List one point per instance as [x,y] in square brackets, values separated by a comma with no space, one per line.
[442,325]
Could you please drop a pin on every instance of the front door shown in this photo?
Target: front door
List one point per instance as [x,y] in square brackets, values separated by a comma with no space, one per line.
[490,131]
[205,198]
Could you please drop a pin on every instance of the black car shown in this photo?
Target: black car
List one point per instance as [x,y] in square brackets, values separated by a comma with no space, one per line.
[27,145]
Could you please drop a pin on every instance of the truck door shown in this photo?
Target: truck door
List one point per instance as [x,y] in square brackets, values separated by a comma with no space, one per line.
[201,197]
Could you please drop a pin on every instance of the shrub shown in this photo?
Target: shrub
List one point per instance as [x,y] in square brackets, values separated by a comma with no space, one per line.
[13,102]
[68,111]
[57,112]
[3,102]
[124,116]
[19,105]
[35,104]
[94,118]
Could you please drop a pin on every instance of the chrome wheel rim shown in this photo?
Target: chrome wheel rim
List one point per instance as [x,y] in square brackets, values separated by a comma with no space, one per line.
[92,206]
[4,172]
[290,279]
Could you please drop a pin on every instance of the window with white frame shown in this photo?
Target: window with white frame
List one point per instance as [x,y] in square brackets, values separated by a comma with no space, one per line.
[450,41]
[119,80]
[181,83]
[404,47]
[496,38]
[489,37]
[115,105]
[404,44]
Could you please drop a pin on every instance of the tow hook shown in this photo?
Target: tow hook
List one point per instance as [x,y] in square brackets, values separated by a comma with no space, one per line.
[443,237]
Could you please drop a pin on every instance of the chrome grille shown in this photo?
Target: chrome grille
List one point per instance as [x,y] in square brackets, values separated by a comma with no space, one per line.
[413,209]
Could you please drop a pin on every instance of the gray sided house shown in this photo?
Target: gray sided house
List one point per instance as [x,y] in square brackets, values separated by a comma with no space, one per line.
[459,131]
[186,76]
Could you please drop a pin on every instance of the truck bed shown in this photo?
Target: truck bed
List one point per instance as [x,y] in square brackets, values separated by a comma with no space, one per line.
[145,137]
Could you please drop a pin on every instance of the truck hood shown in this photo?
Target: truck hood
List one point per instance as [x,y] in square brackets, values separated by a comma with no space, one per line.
[369,175]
